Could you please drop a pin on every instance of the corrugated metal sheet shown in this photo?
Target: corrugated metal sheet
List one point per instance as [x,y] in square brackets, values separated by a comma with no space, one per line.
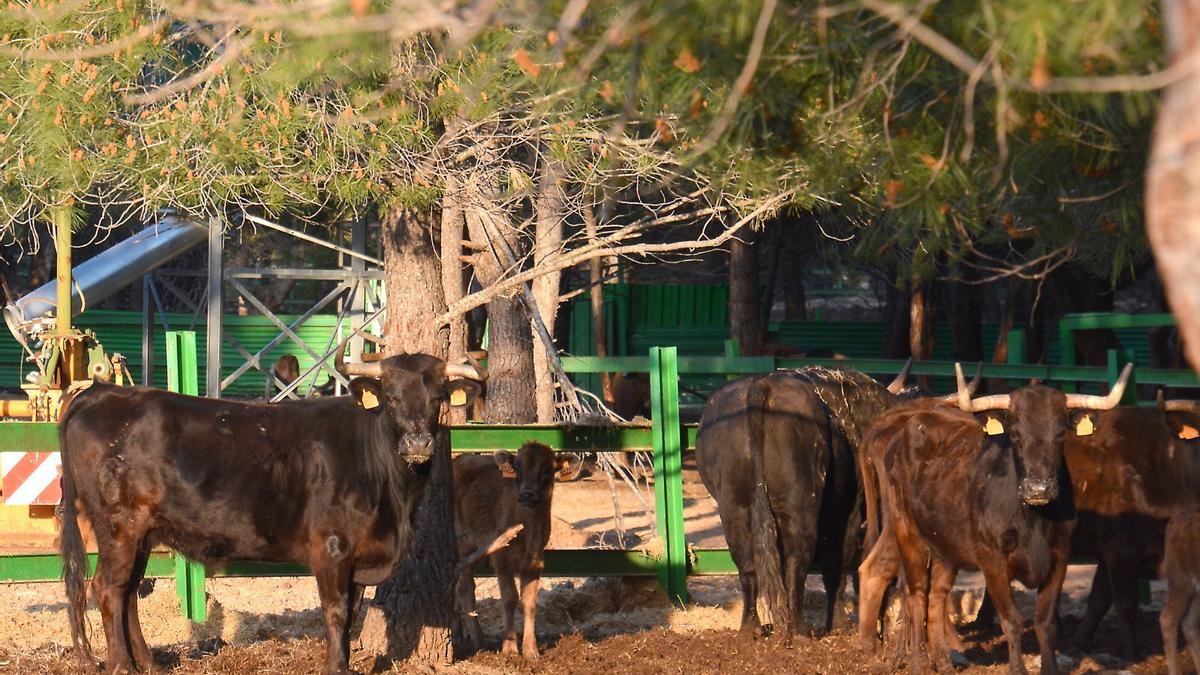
[122,332]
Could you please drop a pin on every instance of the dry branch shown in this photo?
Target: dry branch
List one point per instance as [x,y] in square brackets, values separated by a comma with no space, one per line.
[503,539]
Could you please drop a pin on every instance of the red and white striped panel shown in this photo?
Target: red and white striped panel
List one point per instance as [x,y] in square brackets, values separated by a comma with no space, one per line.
[31,477]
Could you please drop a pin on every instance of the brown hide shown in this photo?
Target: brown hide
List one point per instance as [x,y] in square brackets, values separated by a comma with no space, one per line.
[491,494]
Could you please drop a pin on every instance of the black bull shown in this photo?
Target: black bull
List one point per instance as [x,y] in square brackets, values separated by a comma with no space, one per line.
[330,483]
[794,434]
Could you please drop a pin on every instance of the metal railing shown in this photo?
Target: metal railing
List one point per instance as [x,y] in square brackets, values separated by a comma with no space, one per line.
[671,560]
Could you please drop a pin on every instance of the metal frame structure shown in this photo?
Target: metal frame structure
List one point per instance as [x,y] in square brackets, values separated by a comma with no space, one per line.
[358,301]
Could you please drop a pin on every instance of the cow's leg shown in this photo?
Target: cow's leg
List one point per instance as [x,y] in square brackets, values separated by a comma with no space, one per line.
[1099,599]
[356,596]
[1179,601]
[875,574]
[938,622]
[334,581]
[750,623]
[110,587]
[1191,630]
[508,598]
[1011,621]
[1046,619]
[914,559]
[529,595]
[465,592]
[1123,581]
[137,642]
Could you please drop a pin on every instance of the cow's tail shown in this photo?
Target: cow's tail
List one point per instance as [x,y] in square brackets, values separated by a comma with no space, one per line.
[870,487]
[75,565]
[773,595]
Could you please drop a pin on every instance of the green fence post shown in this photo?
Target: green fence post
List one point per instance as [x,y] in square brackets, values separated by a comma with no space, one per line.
[668,479]
[732,351]
[1117,358]
[1016,348]
[182,378]
[1066,350]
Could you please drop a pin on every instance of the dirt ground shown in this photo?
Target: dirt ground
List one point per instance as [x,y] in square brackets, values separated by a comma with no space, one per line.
[584,625]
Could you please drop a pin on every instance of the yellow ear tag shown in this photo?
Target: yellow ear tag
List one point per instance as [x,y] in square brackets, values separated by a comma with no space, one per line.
[368,400]
[458,397]
[508,472]
[1188,432]
[993,427]
[1085,426]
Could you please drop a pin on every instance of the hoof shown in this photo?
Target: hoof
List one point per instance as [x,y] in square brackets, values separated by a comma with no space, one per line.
[509,647]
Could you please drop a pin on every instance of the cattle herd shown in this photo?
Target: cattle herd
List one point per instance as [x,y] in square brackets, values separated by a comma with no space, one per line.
[810,468]
[1012,485]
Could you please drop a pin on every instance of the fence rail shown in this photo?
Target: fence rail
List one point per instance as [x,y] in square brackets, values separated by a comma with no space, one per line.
[669,558]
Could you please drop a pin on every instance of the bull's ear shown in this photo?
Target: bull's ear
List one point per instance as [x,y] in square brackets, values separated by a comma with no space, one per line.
[504,460]
[367,393]
[1082,422]
[994,422]
[1184,425]
[462,392]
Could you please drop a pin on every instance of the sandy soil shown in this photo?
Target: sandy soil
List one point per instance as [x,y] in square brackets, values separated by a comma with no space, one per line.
[585,625]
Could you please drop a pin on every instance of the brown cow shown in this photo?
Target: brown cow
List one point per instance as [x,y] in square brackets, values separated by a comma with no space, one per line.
[953,497]
[1181,566]
[492,494]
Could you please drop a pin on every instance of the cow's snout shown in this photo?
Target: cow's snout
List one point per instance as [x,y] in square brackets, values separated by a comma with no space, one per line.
[1038,491]
[418,444]
[528,497]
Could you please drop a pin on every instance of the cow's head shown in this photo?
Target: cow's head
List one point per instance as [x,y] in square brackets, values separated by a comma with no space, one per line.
[534,467]
[410,391]
[1037,419]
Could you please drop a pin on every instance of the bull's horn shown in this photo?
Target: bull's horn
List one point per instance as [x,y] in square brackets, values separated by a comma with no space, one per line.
[968,404]
[354,369]
[1103,402]
[1178,405]
[972,386]
[373,339]
[897,384]
[465,371]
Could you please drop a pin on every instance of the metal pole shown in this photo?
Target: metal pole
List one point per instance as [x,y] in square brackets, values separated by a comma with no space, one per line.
[668,467]
[61,216]
[147,331]
[358,307]
[181,377]
[213,332]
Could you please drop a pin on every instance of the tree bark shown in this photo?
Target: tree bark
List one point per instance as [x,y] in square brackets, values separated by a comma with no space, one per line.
[965,313]
[548,235]
[920,324]
[452,276]
[596,298]
[412,616]
[510,388]
[897,311]
[745,322]
[1172,182]
[414,277]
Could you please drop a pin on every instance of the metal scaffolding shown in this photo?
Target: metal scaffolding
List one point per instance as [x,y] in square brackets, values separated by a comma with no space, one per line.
[356,297]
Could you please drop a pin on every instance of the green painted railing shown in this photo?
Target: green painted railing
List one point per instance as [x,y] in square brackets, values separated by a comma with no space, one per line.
[669,559]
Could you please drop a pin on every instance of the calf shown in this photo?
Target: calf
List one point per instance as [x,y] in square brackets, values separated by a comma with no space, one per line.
[953,497]
[1181,567]
[491,495]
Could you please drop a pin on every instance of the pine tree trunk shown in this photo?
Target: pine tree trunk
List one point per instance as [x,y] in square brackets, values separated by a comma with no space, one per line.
[596,301]
[510,387]
[1172,183]
[412,616]
[551,203]
[745,322]
[920,325]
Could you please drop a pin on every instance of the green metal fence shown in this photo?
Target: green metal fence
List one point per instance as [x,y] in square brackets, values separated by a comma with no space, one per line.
[670,558]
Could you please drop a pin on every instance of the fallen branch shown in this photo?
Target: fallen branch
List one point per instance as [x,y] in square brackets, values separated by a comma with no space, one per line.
[506,537]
